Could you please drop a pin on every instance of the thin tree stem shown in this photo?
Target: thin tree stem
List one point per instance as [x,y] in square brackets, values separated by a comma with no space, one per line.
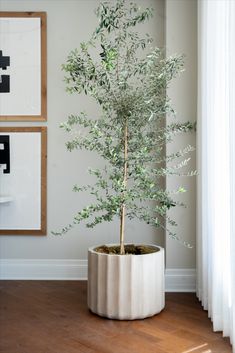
[122,230]
[123,206]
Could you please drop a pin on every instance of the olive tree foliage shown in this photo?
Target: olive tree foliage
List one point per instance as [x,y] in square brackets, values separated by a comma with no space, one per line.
[128,79]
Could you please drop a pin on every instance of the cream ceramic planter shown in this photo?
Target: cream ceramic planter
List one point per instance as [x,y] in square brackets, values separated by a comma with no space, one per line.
[126,287]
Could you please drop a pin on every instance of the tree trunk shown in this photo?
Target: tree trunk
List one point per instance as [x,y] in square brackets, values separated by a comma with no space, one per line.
[123,206]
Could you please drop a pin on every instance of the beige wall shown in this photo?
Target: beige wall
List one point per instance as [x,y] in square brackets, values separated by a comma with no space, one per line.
[181,37]
[69,22]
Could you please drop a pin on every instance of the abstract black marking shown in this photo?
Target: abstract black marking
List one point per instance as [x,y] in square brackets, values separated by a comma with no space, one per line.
[5,152]
[4,79]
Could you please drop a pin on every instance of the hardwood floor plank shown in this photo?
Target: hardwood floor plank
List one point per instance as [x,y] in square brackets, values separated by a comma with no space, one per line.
[52,317]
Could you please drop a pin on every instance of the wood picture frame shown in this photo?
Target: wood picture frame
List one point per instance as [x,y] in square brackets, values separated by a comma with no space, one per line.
[23,188]
[23,66]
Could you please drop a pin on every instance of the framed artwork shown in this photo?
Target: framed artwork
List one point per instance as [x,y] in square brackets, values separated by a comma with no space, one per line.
[23,69]
[23,208]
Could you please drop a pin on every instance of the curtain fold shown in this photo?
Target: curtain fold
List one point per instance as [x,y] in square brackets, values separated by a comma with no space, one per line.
[216,163]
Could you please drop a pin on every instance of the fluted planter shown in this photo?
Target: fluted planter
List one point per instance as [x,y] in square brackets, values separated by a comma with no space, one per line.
[126,287]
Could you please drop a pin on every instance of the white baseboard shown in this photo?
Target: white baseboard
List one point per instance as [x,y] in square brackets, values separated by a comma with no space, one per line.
[180,280]
[177,280]
[43,269]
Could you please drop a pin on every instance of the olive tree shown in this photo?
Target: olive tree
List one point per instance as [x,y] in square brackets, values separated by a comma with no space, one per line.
[127,78]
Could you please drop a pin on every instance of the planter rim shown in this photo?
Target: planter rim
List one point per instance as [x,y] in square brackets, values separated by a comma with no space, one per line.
[91,249]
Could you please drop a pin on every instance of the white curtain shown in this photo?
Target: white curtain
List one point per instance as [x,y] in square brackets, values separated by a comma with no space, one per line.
[216,163]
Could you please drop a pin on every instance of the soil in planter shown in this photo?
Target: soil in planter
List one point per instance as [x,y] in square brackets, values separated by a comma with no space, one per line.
[130,249]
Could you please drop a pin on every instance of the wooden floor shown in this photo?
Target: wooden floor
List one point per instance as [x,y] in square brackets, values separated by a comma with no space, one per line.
[52,317]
